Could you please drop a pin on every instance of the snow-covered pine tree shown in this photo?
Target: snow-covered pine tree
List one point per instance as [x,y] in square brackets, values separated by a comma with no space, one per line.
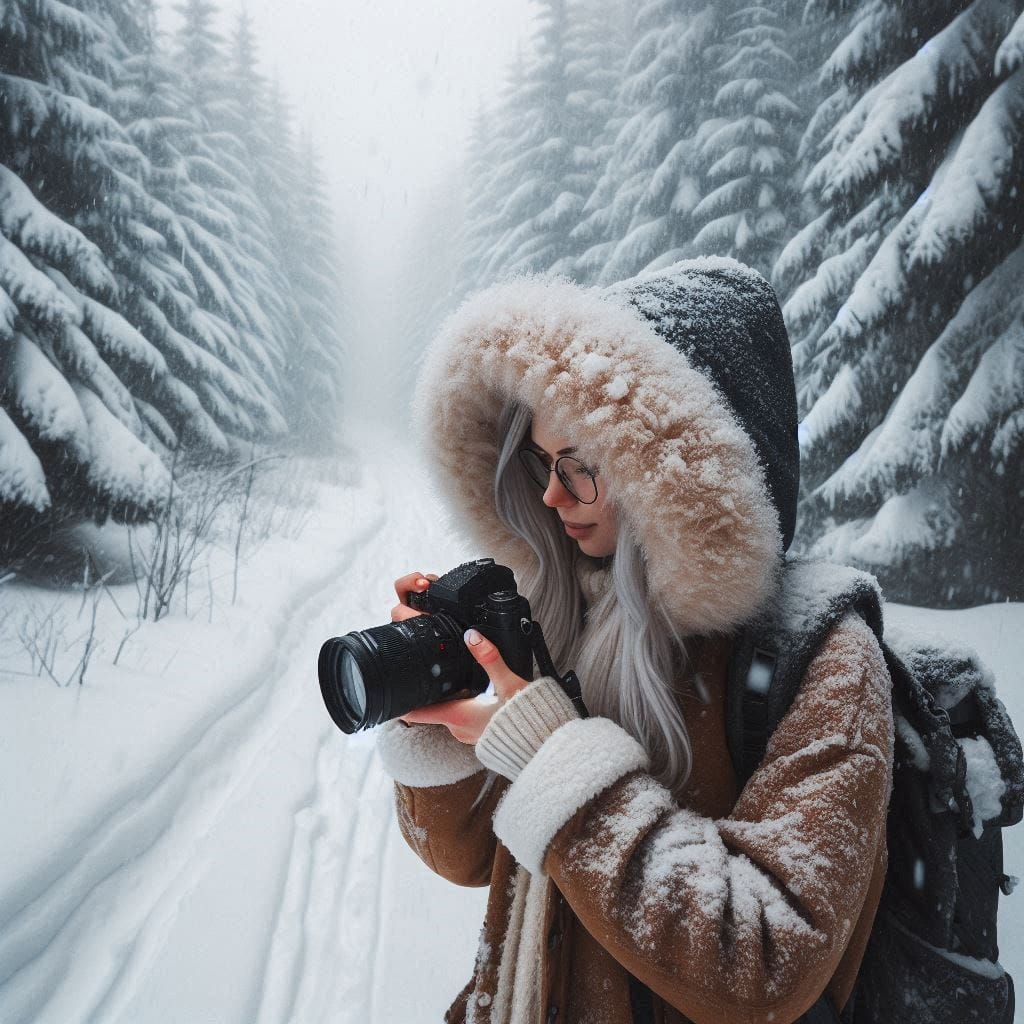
[179,280]
[748,150]
[595,50]
[142,308]
[907,331]
[591,237]
[316,366]
[72,436]
[495,151]
[601,47]
[199,51]
[539,208]
[542,162]
[291,188]
[255,114]
[651,183]
[246,259]
[477,230]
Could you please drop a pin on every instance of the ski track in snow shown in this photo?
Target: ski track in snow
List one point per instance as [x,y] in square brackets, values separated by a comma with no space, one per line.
[147,848]
[252,879]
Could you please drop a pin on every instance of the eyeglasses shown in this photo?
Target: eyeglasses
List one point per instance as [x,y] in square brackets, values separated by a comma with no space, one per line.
[576,478]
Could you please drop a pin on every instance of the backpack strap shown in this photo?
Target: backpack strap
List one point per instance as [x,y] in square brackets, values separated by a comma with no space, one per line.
[770,654]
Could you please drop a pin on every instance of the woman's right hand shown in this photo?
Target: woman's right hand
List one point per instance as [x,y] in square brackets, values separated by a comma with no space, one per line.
[464,718]
[417,581]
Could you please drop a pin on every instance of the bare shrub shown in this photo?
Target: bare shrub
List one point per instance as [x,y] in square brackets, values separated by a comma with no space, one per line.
[203,510]
[39,634]
[46,635]
[284,498]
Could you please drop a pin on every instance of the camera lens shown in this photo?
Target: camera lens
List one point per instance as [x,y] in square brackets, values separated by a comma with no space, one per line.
[372,675]
[353,688]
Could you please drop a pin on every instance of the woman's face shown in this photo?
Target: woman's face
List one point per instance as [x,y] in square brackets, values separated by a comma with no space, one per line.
[599,537]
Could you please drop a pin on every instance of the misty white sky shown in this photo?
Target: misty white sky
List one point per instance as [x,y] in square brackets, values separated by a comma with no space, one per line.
[388,89]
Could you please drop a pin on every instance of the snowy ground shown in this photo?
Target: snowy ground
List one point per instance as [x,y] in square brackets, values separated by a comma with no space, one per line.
[187,837]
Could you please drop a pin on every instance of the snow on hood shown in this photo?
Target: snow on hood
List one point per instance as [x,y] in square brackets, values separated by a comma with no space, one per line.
[686,475]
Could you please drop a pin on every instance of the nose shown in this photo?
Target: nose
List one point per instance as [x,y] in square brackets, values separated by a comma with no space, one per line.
[556,494]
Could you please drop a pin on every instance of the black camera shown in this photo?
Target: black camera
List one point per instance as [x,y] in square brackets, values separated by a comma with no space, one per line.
[372,675]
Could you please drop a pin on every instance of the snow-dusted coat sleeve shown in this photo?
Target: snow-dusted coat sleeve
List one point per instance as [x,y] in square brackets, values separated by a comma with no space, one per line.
[443,800]
[744,918]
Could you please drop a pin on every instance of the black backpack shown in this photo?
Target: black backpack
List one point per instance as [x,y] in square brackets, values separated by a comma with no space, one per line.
[932,954]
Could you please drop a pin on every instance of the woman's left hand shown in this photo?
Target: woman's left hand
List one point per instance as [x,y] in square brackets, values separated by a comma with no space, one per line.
[468,717]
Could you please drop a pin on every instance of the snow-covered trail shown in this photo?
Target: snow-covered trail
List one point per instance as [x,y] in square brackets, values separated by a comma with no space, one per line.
[259,876]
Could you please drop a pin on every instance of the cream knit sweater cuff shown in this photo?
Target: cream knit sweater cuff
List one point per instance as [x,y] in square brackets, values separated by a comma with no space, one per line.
[519,727]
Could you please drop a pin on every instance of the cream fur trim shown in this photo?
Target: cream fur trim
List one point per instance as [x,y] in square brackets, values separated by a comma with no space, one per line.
[574,764]
[517,997]
[682,470]
[424,755]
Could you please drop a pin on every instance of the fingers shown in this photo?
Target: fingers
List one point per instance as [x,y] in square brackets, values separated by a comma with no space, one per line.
[402,611]
[416,581]
[449,712]
[465,719]
[506,682]
[411,581]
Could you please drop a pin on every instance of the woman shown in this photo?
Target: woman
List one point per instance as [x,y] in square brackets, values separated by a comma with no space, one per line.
[630,879]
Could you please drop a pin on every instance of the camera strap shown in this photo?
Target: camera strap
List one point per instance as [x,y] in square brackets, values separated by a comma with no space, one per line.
[569,682]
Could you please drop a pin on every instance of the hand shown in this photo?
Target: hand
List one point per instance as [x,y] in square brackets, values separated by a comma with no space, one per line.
[417,581]
[466,719]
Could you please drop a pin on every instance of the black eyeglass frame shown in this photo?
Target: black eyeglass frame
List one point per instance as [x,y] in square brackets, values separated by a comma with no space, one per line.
[563,477]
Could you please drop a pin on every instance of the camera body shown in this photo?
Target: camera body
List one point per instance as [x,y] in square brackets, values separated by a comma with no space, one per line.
[370,676]
[483,595]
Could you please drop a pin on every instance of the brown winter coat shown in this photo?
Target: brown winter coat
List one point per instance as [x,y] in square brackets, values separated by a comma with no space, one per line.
[730,910]
[731,907]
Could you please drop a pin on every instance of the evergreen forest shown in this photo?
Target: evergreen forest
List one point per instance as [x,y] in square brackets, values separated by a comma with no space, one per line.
[169,285]
[868,159]
[168,291]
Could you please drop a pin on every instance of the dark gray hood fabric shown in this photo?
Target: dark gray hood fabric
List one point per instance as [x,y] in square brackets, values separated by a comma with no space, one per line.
[726,319]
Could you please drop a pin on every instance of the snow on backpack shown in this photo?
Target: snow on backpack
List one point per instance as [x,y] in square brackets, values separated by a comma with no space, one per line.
[958,780]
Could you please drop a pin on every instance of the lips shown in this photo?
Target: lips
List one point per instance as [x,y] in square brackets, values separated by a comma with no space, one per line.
[576,526]
[578,531]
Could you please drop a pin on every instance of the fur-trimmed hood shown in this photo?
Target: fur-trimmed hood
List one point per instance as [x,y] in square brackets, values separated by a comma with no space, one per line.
[695,439]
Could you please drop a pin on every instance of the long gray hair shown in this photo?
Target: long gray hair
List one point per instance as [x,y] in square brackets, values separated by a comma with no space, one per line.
[626,651]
